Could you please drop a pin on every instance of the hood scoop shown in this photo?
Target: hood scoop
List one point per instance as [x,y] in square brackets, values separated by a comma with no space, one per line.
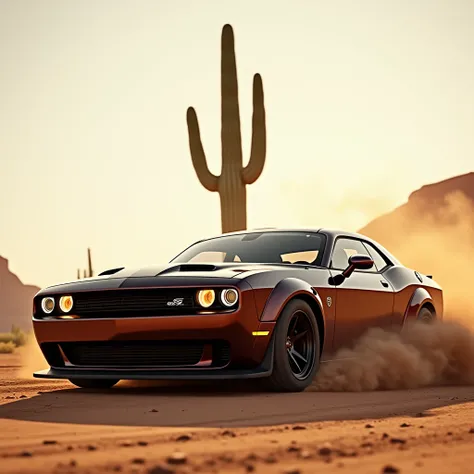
[189,267]
[112,271]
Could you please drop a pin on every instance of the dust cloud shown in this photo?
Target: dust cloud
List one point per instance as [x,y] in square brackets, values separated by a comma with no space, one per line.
[439,353]
[31,359]
[435,238]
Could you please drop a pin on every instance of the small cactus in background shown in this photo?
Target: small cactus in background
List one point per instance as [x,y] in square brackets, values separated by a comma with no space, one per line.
[231,184]
[90,273]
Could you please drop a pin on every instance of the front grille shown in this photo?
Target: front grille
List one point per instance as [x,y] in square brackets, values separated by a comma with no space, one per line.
[123,354]
[144,353]
[141,302]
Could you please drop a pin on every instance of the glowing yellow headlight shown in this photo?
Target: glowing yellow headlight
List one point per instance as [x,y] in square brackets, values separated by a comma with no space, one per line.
[229,297]
[65,303]
[47,304]
[206,298]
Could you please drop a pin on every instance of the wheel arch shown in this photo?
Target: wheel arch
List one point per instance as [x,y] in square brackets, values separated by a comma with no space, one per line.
[291,289]
[420,298]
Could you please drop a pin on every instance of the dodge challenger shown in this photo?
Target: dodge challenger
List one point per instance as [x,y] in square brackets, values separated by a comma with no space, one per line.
[269,304]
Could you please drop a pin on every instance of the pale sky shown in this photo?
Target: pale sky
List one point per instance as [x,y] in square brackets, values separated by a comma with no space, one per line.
[366,101]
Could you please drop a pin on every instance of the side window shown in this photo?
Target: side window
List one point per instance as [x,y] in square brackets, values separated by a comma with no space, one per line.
[379,262]
[343,249]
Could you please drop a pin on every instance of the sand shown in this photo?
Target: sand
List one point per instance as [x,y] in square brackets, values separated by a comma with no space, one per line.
[50,426]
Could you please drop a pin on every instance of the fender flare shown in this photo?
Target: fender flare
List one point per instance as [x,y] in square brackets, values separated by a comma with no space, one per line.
[288,289]
[419,298]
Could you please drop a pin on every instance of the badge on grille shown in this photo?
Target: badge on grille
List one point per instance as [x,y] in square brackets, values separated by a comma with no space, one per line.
[176,302]
[329,301]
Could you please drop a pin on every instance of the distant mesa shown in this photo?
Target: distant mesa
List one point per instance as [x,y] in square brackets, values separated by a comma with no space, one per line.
[441,208]
[16,300]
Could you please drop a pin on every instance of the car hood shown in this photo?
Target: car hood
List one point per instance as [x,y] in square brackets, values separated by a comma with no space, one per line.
[170,274]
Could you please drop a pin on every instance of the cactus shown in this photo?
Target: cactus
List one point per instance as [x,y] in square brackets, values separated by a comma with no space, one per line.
[231,184]
[89,261]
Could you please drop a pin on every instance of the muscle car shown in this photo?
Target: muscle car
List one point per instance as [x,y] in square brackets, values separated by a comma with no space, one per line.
[268,304]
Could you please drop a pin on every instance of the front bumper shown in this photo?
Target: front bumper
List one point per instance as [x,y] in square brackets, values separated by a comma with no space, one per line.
[247,337]
[262,370]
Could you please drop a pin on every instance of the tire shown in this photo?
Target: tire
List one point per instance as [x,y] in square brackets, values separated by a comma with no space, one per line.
[94,383]
[425,315]
[285,376]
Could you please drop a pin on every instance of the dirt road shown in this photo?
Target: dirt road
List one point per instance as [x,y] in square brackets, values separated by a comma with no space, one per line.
[147,428]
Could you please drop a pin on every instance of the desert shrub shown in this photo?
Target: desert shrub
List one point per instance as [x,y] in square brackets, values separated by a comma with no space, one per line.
[16,336]
[7,347]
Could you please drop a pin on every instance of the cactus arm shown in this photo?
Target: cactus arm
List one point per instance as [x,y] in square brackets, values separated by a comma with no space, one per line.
[255,165]
[207,179]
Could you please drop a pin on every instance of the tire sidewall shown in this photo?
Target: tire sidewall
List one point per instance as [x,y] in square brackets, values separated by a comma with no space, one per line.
[281,362]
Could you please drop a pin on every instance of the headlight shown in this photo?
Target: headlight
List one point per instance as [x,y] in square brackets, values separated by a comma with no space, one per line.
[65,303]
[47,304]
[229,297]
[206,298]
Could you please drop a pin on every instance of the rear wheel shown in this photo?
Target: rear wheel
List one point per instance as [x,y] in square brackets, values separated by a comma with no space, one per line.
[425,315]
[94,383]
[296,349]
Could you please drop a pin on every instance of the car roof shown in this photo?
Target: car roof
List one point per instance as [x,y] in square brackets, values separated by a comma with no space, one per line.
[331,233]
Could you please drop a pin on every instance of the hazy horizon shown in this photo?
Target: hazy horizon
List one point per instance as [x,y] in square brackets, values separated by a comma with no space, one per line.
[365,103]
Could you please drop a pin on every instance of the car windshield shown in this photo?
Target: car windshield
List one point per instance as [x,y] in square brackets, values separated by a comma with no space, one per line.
[258,247]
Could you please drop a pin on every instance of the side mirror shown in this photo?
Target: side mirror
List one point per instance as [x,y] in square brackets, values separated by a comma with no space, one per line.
[358,262]
[355,262]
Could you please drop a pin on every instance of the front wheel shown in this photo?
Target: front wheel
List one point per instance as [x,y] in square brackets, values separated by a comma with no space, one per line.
[94,383]
[296,348]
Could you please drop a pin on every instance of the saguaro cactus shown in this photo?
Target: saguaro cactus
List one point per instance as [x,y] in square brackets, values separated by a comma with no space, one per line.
[231,184]
[90,273]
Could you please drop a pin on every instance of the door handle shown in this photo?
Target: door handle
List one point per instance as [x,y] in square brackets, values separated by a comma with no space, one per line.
[384,283]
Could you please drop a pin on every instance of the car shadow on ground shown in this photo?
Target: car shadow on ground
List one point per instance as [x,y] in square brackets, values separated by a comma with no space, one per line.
[221,404]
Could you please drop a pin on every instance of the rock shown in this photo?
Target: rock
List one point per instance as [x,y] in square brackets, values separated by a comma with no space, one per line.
[126,444]
[421,414]
[389,469]
[184,437]
[305,454]
[404,425]
[138,461]
[293,470]
[397,441]
[368,425]
[10,397]
[26,454]
[178,457]
[91,447]
[50,441]
[385,436]
[228,458]
[270,459]
[367,444]
[325,449]
[471,431]
[249,467]
[160,470]
[22,396]
[154,410]
[228,433]
[142,443]
[293,449]
[298,427]
[73,463]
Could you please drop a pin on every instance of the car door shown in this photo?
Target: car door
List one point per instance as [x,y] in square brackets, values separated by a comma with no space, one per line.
[363,300]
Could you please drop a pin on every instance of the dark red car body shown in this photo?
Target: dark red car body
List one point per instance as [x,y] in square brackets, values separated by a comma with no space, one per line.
[123,324]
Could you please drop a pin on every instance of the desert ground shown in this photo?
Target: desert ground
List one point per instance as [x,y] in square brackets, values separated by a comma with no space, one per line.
[52,426]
